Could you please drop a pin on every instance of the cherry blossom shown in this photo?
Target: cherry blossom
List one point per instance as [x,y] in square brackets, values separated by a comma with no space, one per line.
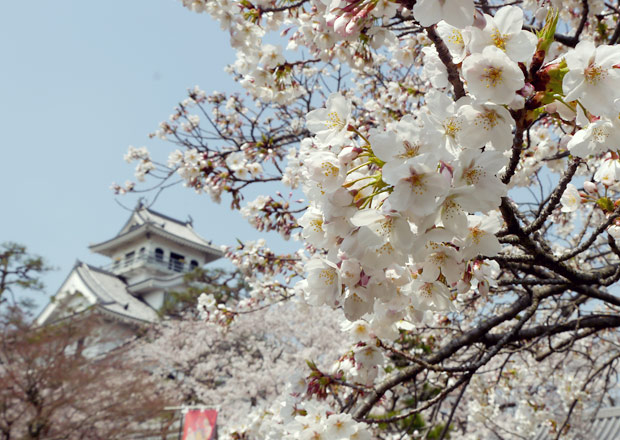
[434,150]
[592,75]
[458,13]
[570,199]
[491,75]
[504,31]
[330,123]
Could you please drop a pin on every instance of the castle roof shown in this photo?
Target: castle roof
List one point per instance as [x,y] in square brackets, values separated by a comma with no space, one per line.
[136,288]
[605,425]
[88,286]
[144,221]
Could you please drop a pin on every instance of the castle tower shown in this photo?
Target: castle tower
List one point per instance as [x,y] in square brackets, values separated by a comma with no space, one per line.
[150,255]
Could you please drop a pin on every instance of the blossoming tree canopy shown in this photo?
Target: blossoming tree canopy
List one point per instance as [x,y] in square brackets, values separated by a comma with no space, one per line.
[453,172]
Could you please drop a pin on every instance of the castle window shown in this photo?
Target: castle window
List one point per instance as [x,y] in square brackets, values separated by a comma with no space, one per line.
[176,262]
[129,258]
[159,254]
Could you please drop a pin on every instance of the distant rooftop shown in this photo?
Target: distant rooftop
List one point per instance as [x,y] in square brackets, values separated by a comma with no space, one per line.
[134,287]
[105,291]
[605,426]
[144,220]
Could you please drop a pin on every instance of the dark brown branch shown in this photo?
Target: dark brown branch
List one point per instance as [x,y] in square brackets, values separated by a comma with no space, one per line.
[517,146]
[542,257]
[586,244]
[555,196]
[616,35]
[563,344]
[446,427]
[446,59]
[598,322]
[449,349]
[465,378]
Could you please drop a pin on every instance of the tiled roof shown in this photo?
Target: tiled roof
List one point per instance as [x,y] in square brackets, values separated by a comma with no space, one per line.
[605,426]
[113,295]
[144,220]
[107,292]
[173,226]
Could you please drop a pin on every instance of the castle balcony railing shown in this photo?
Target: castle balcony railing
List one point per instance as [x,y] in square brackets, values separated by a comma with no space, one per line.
[151,259]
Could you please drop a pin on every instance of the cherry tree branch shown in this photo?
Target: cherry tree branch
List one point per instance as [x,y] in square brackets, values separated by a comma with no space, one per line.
[446,59]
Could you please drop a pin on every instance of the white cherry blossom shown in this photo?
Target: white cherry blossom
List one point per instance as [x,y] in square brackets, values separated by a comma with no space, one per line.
[493,76]
[433,70]
[456,40]
[486,123]
[312,222]
[505,31]
[323,282]
[330,123]
[596,138]
[592,77]
[608,173]
[458,13]
[480,171]
[443,123]
[433,295]
[416,189]
[570,199]
[480,238]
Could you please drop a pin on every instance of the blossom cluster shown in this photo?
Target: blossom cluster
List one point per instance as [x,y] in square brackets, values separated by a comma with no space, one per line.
[243,368]
[406,212]
[411,171]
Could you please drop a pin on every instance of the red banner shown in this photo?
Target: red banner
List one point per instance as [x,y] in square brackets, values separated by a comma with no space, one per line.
[199,424]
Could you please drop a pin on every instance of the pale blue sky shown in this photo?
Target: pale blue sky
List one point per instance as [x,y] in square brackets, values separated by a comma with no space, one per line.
[79,82]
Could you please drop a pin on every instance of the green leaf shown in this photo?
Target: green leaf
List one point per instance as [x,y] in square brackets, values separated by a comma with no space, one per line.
[546,35]
[605,204]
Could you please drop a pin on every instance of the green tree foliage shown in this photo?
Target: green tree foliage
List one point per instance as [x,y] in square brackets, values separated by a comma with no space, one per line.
[19,271]
[225,285]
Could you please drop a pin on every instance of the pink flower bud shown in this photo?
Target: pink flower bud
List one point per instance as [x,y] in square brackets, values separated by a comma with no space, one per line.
[527,90]
[352,27]
[340,24]
[590,187]
[348,154]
